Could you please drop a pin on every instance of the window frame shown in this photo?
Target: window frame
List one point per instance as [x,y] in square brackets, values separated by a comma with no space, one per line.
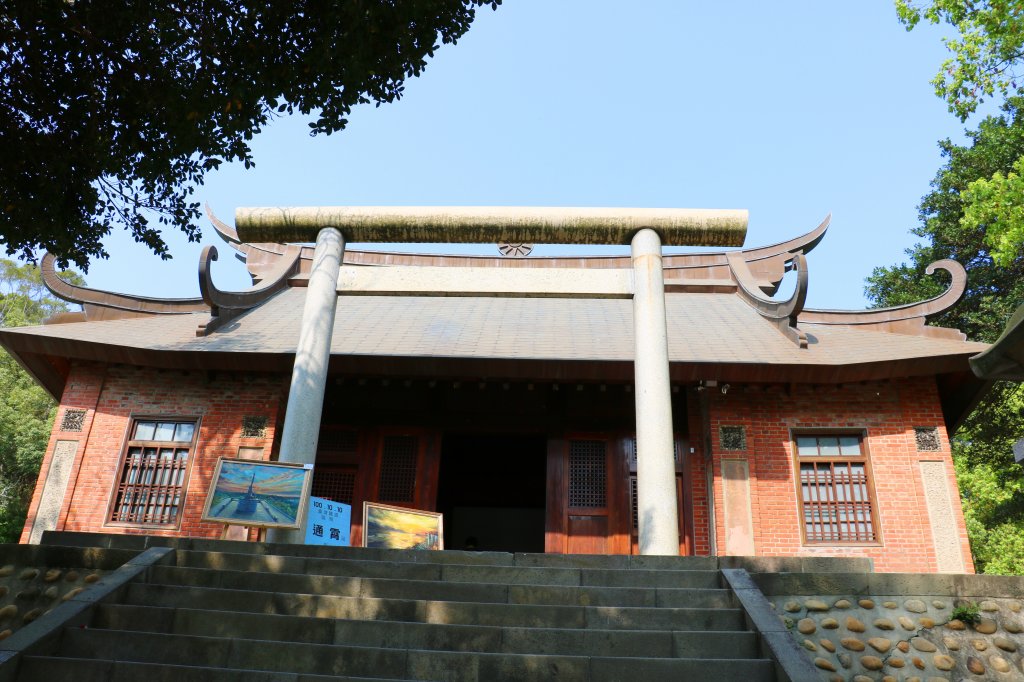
[128,443]
[864,457]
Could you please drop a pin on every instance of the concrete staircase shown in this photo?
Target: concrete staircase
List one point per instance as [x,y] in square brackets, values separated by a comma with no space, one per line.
[254,612]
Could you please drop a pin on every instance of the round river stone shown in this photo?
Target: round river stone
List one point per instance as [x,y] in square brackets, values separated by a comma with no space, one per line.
[1005,644]
[852,643]
[854,625]
[922,644]
[880,644]
[915,606]
[999,663]
[806,626]
[986,626]
[871,662]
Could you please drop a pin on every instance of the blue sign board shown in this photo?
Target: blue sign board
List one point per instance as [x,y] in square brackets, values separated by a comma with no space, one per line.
[328,522]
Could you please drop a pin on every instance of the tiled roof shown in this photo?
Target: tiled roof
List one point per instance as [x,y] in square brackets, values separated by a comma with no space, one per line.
[702,327]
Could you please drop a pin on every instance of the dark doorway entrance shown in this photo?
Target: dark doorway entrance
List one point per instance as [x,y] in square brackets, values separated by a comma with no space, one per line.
[492,491]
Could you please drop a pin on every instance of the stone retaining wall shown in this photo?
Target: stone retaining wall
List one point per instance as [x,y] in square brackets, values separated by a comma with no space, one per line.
[903,627]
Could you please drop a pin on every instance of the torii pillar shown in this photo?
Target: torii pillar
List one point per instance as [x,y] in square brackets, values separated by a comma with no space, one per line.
[646,230]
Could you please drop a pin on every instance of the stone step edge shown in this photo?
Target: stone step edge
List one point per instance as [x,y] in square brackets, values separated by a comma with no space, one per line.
[449,601]
[753,564]
[639,660]
[629,568]
[397,622]
[111,664]
[434,581]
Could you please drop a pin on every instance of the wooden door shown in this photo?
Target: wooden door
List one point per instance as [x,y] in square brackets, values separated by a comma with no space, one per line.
[683,495]
[587,501]
[406,469]
[393,466]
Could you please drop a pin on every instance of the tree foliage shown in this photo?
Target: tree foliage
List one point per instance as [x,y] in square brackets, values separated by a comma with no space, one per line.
[987,54]
[106,114]
[991,483]
[987,61]
[26,410]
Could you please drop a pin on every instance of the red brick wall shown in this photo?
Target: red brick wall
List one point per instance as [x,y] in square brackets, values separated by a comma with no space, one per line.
[113,394]
[887,412]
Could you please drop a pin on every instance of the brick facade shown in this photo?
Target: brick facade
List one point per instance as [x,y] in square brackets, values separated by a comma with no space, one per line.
[889,414]
[112,395]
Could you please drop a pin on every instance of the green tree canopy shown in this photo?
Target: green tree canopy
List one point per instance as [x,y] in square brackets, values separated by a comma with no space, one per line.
[987,52]
[991,483]
[987,58]
[107,113]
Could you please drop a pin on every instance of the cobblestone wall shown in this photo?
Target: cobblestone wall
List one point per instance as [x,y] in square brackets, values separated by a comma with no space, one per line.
[906,637]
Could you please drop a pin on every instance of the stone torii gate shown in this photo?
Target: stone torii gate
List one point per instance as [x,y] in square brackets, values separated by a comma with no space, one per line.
[645,230]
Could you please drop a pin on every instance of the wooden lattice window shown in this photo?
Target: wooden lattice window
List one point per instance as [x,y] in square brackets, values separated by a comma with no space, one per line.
[398,469]
[588,474]
[151,482]
[836,495]
[334,483]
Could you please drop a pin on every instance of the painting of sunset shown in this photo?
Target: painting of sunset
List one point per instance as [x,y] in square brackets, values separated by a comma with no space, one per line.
[253,493]
[400,528]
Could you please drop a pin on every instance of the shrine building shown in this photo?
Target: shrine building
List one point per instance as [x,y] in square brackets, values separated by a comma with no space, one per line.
[649,403]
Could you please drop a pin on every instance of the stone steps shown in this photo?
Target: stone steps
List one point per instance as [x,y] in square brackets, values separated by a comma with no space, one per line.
[428,636]
[436,589]
[54,669]
[392,662]
[436,611]
[448,572]
[284,612]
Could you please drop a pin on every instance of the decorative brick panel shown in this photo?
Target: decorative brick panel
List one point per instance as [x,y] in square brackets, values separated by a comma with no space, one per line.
[732,437]
[73,420]
[254,426]
[927,438]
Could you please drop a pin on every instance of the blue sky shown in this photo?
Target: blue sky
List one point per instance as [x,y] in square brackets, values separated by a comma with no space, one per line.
[791,110]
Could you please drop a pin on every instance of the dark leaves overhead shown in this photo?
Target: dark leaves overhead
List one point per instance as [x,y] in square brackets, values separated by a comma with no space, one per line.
[108,111]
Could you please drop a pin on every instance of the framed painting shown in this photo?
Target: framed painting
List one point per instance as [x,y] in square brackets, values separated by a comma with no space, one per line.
[256,493]
[390,527]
